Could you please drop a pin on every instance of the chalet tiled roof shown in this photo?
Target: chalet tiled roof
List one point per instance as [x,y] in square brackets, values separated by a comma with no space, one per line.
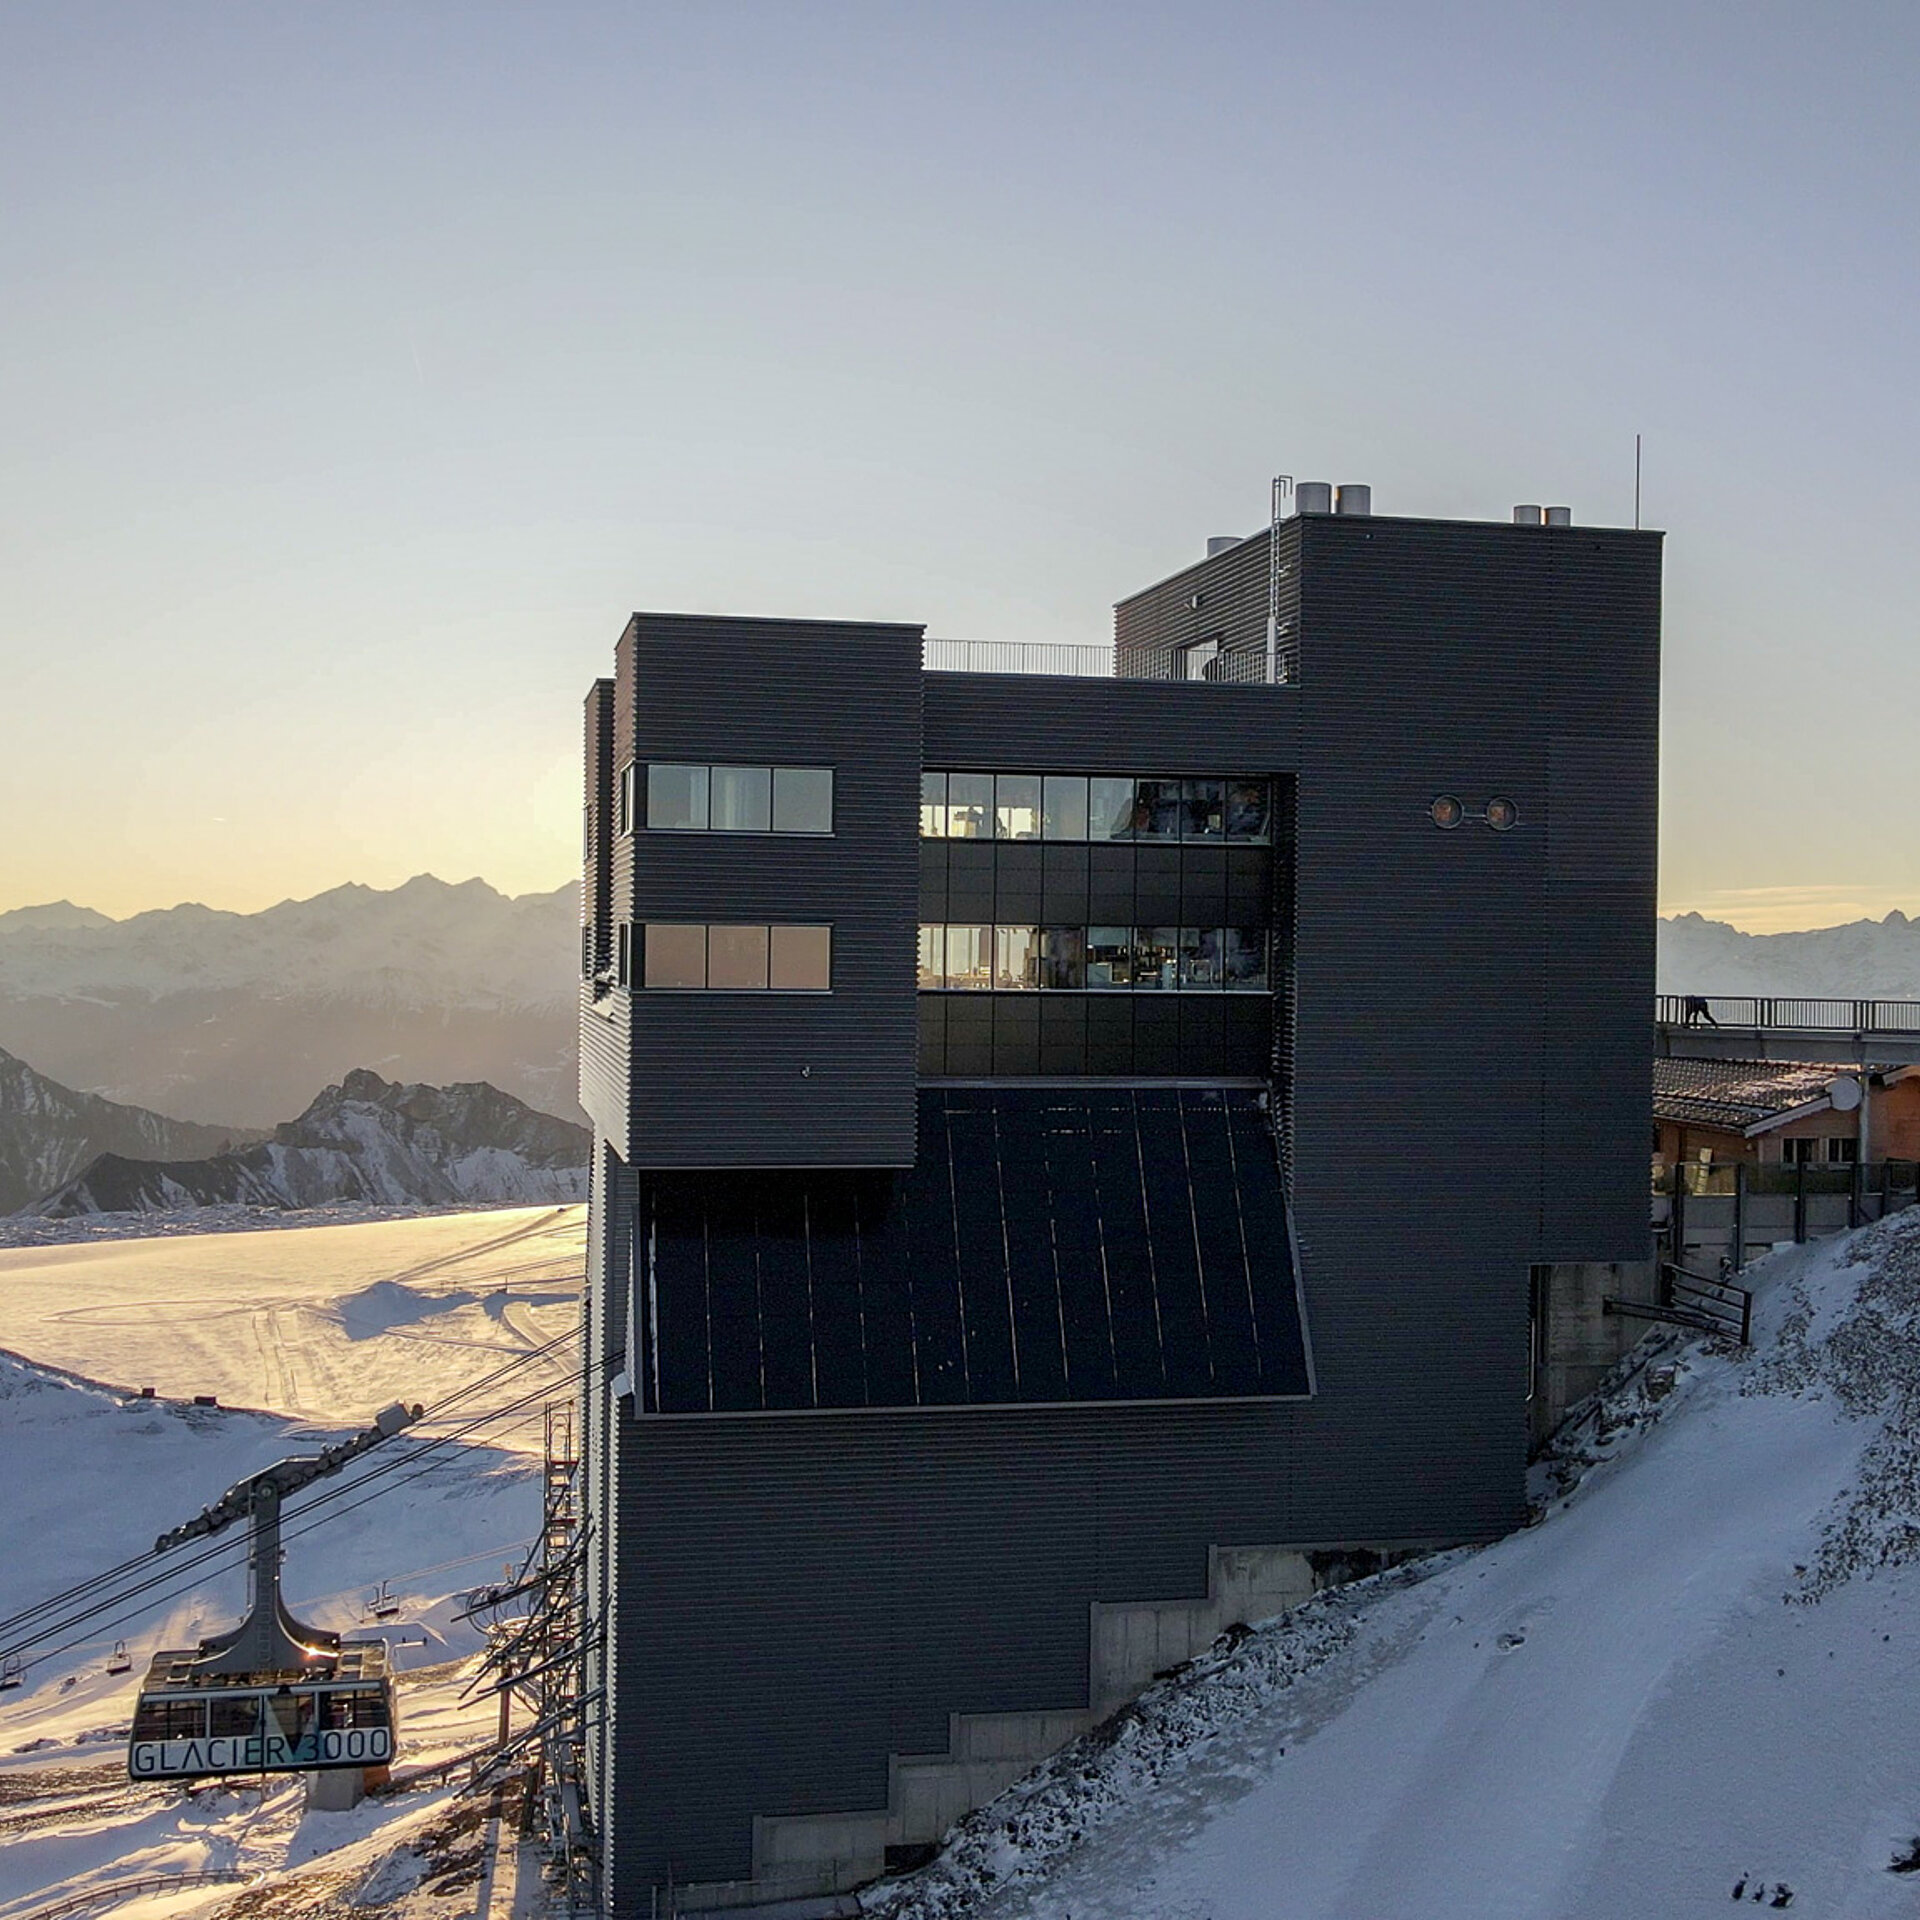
[1736,1094]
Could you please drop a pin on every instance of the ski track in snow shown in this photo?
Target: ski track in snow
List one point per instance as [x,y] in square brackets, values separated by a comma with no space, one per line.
[1699,1671]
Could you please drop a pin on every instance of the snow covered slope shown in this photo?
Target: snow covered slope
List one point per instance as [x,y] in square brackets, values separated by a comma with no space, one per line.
[230,1017]
[367,1140]
[1692,1682]
[327,1323]
[48,1133]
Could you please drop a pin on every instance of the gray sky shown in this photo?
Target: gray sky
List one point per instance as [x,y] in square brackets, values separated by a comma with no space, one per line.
[366,364]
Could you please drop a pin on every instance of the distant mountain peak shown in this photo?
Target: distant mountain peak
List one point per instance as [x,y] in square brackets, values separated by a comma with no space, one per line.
[60,914]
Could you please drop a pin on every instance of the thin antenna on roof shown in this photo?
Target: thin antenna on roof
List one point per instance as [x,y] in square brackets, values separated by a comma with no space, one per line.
[1636,480]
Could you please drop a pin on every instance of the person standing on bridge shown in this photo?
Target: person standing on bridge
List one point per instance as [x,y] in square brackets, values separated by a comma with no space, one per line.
[1695,1009]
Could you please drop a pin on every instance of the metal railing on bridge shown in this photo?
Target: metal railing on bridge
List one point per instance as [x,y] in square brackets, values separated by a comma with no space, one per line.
[1781,1010]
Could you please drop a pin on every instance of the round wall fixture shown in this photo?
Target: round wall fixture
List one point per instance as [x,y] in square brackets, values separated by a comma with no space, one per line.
[1446,811]
[1502,814]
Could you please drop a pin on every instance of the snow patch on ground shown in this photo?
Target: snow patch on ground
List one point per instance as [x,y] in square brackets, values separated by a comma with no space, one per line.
[1689,1683]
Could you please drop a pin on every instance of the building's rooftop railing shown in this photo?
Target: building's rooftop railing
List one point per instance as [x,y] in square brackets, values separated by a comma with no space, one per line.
[1239,665]
[1017,656]
[1769,1010]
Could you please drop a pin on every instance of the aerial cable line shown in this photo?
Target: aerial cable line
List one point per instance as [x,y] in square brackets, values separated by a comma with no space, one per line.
[14,1622]
[226,1554]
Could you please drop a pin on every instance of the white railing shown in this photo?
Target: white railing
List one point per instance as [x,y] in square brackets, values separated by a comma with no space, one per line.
[1017,656]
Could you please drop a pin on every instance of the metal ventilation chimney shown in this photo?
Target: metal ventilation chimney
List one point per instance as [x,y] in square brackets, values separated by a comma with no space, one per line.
[1559,516]
[1529,516]
[1220,542]
[1349,498]
[1313,496]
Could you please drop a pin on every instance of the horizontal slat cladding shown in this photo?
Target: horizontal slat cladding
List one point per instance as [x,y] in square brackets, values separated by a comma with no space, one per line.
[793,1612]
[605,1069]
[1023,721]
[1224,598]
[596,890]
[771,1079]
[801,1597]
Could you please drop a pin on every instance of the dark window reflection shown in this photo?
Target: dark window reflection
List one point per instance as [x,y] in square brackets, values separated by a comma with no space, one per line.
[1247,809]
[969,806]
[1063,957]
[1016,806]
[1246,957]
[1063,812]
[1200,957]
[1155,957]
[1203,806]
[1156,814]
[1110,808]
[1109,956]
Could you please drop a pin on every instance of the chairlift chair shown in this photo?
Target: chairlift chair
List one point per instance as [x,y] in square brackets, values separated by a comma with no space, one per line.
[119,1660]
[12,1675]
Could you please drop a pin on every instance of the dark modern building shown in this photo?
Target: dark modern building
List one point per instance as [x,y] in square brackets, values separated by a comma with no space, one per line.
[1082,1159]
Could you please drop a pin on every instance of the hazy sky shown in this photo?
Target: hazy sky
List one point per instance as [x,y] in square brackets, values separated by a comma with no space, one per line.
[364,365]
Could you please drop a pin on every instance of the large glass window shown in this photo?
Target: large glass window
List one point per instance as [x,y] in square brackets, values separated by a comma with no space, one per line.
[740,799]
[1110,808]
[1067,959]
[1204,809]
[676,956]
[1016,958]
[970,957]
[803,799]
[1016,806]
[801,960]
[1109,956]
[969,806]
[736,959]
[1063,807]
[1063,957]
[677,798]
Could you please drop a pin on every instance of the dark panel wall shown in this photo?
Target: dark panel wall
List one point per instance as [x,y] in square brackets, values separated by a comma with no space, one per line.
[767,1079]
[806,1608]
[1021,721]
[596,891]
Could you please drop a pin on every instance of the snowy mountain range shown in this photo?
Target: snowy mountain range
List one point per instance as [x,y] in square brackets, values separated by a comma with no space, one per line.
[232,1018]
[48,1133]
[1866,960]
[367,1140]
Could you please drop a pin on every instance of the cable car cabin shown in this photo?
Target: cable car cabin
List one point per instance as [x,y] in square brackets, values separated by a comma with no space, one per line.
[336,1711]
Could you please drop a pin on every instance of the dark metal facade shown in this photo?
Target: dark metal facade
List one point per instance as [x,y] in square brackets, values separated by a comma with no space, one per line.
[1459,1049]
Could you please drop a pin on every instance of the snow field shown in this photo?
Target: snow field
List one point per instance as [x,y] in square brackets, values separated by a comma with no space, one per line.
[1696,1673]
[326,1325]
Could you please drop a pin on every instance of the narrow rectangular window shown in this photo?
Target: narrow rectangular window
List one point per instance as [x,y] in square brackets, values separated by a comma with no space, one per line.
[803,799]
[1200,967]
[1203,807]
[933,806]
[627,796]
[933,958]
[737,958]
[1156,810]
[801,960]
[740,799]
[1016,958]
[1155,957]
[1248,807]
[1063,957]
[623,954]
[1016,806]
[970,957]
[1063,808]
[1110,808]
[1245,958]
[969,806]
[677,798]
[1109,956]
[676,955]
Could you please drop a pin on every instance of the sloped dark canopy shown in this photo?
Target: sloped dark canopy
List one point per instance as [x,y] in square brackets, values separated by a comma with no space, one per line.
[1047,1247]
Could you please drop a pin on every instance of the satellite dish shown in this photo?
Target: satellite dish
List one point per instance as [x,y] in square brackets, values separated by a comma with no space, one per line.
[1844,1093]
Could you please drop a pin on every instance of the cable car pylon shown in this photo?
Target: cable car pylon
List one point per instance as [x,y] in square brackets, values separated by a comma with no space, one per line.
[274,1695]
